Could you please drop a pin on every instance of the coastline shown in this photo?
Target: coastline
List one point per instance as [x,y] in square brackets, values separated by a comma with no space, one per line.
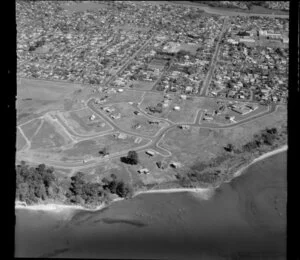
[262,157]
[58,207]
[53,207]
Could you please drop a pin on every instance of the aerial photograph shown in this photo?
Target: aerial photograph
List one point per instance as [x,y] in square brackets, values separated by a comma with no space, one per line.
[151,129]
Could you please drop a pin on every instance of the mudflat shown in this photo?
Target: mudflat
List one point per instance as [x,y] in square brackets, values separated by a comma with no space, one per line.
[244,218]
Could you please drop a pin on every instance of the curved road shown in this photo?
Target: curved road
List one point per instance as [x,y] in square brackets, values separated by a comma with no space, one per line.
[152,144]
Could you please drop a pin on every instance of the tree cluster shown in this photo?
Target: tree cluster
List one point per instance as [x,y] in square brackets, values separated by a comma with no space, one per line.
[35,184]
[115,186]
[131,158]
[266,137]
[83,192]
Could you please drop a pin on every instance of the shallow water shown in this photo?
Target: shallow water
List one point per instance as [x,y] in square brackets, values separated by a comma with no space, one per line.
[244,219]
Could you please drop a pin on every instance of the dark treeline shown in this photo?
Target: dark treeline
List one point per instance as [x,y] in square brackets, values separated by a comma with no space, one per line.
[40,184]
[210,171]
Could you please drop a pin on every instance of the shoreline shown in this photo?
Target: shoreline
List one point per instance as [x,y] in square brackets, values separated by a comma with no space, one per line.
[260,158]
[58,207]
[53,207]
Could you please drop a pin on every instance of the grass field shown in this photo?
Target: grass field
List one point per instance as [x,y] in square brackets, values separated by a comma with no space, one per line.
[49,136]
[219,120]
[45,90]
[20,142]
[188,108]
[30,128]
[155,175]
[80,123]
[39,96]
[203,144]
[93,146]
[135,123]
[125,96]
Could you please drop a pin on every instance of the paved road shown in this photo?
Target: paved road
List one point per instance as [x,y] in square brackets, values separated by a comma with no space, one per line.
[153,143]
[128,61]
[213,61]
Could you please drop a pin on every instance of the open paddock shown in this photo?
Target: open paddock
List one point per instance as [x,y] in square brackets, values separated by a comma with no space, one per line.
[45,90]
[50,136]
[20,142]
[224,117]
[238,117]
[119,97]
[188,107]
[80,122]
[203,144]
[156,175]
[139,124]
[111,142]
[31,128]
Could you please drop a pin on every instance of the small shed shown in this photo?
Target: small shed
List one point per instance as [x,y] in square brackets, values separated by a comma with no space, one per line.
[151,153]
[144,171]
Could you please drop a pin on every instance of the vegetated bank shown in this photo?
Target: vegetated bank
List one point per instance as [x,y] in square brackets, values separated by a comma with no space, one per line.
[40,185]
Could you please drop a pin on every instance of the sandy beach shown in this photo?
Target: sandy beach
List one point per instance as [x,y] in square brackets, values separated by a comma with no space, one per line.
[262,157]
[60,207]
[205,193]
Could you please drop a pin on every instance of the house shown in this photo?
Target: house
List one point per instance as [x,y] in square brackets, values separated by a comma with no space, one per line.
[151,153]
[92,117]
[122,136]
[207,118]
[175,164]
[115,116]
[144,171]
[185,127]
[137,126]
[120,90]
[159,164]
[176,108]
[108,109]
[153,122]
[136,113]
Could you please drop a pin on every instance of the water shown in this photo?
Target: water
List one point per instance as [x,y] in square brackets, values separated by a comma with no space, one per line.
[244,219]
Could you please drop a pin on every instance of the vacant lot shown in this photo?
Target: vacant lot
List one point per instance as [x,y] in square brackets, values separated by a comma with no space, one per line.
[220,119]
[135,123]
[188,108]
[30,128]
[112,143]
[21,142]
[118,97]
[80,122]
[156,175]
[49,136]
[45,90]
[203,144]
[39,96]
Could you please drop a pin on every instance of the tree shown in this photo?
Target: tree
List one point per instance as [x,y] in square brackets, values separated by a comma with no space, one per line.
[104,151]
[77,183]
[229,148]
[133,157]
